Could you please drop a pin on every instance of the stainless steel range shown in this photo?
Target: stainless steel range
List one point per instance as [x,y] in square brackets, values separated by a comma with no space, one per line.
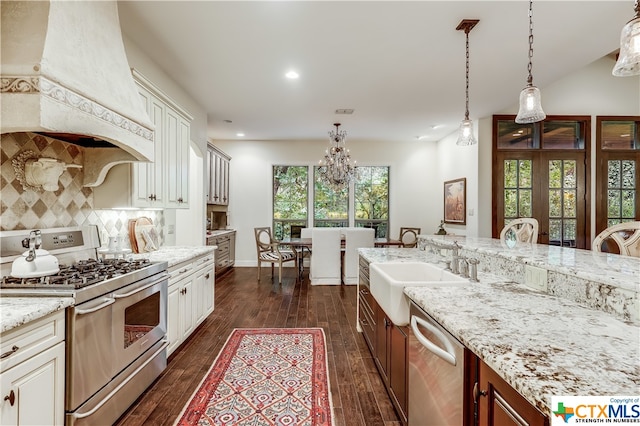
[116,330]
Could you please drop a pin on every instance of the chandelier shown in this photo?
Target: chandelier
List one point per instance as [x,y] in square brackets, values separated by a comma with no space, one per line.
[336,168]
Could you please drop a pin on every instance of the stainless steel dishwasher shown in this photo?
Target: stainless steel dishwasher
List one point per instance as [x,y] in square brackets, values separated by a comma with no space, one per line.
[436,373]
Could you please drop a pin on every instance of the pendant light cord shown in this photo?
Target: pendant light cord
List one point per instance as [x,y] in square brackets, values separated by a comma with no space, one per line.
[530,66]
[466,112]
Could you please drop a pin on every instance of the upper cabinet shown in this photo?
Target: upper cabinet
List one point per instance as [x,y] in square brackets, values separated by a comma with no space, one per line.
[218,182]
[163,183]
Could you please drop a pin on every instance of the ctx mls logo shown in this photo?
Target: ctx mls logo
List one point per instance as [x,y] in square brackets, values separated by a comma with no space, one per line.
[564,412]
[613,410]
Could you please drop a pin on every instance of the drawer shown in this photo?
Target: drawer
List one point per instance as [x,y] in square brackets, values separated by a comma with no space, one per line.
[180,270]
[23,342]
[367,297]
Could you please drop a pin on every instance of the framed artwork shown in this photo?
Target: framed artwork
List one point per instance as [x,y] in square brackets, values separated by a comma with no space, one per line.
[455,201]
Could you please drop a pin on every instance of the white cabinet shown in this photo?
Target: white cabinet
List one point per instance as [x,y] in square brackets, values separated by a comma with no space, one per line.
[190,298]
[218,182]
[164,182]
[32,373]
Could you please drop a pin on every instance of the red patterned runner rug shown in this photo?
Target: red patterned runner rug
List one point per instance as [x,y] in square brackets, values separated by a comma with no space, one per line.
[265,376]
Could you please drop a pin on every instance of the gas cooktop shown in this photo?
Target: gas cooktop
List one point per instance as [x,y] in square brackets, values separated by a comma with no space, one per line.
[79,274]
[82,274]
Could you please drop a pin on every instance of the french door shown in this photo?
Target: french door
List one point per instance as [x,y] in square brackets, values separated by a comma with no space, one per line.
[550,185]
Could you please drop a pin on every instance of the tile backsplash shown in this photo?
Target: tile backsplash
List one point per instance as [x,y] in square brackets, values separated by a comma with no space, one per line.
[70,205]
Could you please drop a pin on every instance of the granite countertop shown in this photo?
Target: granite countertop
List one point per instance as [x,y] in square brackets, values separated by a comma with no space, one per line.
[174,255]
[214,232]
[541,344]
[16,311]
[612,269]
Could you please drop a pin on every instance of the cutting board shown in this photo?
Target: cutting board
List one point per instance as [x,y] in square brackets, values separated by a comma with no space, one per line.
[131,230]
[146,235]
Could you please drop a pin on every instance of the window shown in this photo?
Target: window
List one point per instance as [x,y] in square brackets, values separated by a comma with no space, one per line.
[290,198]
[372,199]
[330,208]
[365,204]
[617,177]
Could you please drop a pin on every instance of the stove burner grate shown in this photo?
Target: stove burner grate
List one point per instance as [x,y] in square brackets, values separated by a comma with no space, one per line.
[79,274]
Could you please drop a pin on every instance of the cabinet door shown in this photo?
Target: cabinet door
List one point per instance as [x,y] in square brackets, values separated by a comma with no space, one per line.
[177,160]
[224,181]
[173,318]
[185,140]
[186,307]
[213,178]
[501,405]
[198,296]
[209,290]
[232,249]
[36,387]
[398,367]
[382,334]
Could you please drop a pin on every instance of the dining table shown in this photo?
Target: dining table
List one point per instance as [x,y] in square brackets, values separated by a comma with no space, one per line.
[302,244]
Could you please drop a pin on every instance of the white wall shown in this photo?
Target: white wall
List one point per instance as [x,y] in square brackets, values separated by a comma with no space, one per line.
[456,162]
[416,199]
[184,227]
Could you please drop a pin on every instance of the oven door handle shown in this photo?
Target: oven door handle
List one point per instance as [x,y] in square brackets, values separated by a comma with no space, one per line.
[138,289]
[107,301]
[449,355]
[165,343]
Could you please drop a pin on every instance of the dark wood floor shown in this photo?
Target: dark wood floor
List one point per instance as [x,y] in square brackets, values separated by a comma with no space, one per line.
[359,397]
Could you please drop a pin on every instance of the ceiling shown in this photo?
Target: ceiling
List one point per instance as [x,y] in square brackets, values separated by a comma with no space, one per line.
[399,65]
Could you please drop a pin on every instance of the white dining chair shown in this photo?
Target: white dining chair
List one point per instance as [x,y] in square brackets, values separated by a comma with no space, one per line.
[520,230]
[355,238]
[626,236]
[325,258]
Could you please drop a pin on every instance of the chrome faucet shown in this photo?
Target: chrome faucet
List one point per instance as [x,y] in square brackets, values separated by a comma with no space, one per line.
[463,267]
[454,257]
[473,269]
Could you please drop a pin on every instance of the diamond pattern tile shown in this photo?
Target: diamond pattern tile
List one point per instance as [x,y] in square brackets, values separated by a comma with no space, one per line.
[70,205]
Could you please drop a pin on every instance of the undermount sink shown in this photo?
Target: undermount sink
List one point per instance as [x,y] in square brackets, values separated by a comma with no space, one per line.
[388,280]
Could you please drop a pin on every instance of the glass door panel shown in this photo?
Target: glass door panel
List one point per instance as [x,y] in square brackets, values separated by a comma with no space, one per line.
[562,202]
[518,189]
[621,191]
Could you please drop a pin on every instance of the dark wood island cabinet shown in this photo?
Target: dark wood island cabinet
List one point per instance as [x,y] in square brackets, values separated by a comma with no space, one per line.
[488,399]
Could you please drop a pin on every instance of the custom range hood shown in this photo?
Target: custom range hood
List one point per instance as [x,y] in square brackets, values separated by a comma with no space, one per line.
[65,75]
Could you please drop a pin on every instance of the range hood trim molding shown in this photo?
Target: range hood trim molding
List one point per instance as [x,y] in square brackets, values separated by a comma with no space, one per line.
[65,71]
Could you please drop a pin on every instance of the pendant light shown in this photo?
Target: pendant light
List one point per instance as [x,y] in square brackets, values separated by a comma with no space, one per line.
[530,100]
[628,63]
[465,135]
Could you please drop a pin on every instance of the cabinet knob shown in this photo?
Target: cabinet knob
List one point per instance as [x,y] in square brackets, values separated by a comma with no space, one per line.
[180,200]
[477,392]
[206,277]
[11,398]
[13,350]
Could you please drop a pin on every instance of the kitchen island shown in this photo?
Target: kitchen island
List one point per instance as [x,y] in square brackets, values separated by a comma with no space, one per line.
[558,342]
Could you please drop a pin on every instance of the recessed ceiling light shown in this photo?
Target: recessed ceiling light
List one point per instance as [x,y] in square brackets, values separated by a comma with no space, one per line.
[292,75]
[436,126]
[240,134]
[421,137]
